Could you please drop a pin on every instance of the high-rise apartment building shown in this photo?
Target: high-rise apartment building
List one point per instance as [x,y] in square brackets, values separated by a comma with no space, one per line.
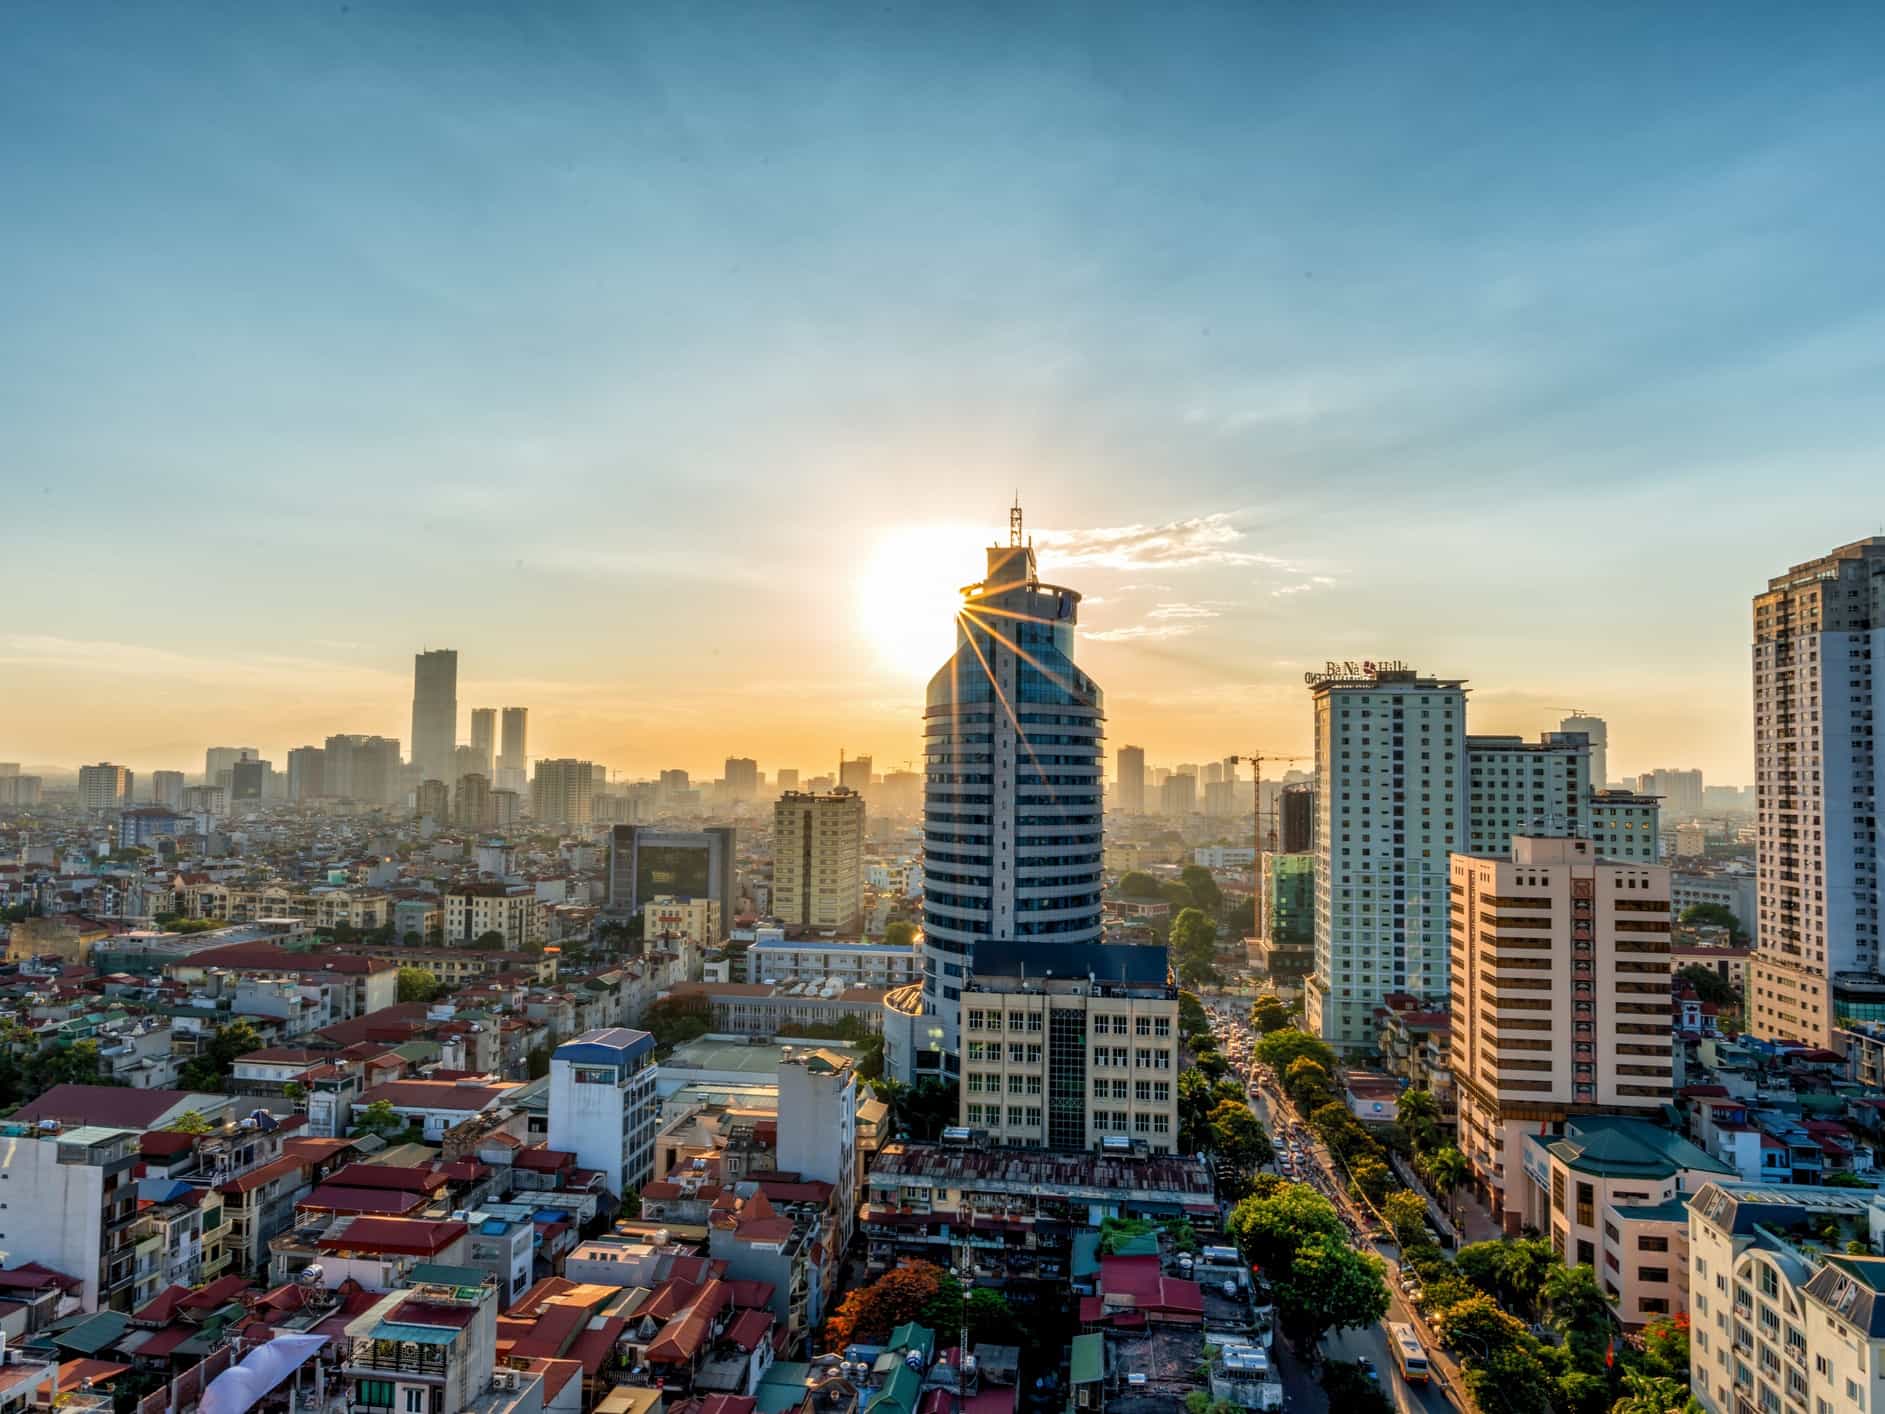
[1681,791]
[741,777]
[307,773]
[363,769]
[1517,787]
[1069,1045]
[512,758]
[1012,814]
[1296,818]
[434,712]
[1178,796]
[1819,638]
[1623,825]
[1597,730]
[1560,997]
[484,739]
[218,761]
[251,780]
[645,864]
[167,789]
[20,790]
[818,860]
[1390,756]
[1131,773]
[104,787]
[434,801]
[471,803]
[561,791]
[855,774]
[788,778]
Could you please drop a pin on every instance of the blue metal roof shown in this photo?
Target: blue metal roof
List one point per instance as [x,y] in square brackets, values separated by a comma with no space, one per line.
[612,1045]
[418,1335]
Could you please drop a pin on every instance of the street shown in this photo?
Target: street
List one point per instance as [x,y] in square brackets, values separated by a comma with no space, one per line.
[1371,1343]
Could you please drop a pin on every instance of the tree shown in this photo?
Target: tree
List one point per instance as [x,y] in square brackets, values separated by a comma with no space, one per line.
[1510,1272]
[868,1314]
[293,1092]
[1237,1136]
[1192,1022]
[1370,1178]
[1203,888]
[673,1021]
[192,1122]
[1446,1171]
[1709,984]
[1267,1013]
[1406,1217]
[1308,1084]
[870,1057]
[900,933]
[1419,1114]
[1712,915]
[1350,1390]
[1193,942]
[1279,1048]
[1577,1309]
[1140,886]
[1270,1229]
[1655,1394]
[1329,1286]
[1512,1381]
[1844,1178]
[381,1117]
[217,1059]
[1212,1065]
[921,1110]
[1477,1327]
[491,941]
[417,985]
[1240,920]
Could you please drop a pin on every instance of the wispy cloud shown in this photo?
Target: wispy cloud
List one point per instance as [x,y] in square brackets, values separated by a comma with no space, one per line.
[1132,631]
[1205,609]
[1305,586]
[1179,544]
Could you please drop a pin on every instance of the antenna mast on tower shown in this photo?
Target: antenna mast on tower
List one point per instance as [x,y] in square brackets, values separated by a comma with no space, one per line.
[1014,523]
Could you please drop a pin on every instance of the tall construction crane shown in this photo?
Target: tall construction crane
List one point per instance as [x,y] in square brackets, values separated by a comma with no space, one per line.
[1255,760]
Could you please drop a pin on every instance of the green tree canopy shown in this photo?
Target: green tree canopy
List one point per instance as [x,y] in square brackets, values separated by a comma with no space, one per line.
[1577,1309]
[1279,1048]
[1369,1177]
[1512,1381]
[418,985]
[1193,941]
[1267,1013]
[208,1069]
[1238,1137]
[1419,1114]
[900,933]
[1329,1286]
[492,941]
[1308,1083]
[1140,886]
[1712,915]
[1203,888]
[1407,1218]
[1270,1229]
[1709,984]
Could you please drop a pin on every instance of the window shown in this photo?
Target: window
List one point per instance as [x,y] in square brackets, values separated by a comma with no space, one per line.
[593,1074]
[378,1393]
[1655,1275]
[415,1401]
[1586,1213]
[975,1021]
[1646,1243]
[1162,1026]
[1142,1025]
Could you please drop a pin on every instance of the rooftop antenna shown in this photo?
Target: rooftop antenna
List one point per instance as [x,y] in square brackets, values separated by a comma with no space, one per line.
[1014,522]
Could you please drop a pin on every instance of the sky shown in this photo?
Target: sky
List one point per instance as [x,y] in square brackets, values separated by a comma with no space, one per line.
[673,361]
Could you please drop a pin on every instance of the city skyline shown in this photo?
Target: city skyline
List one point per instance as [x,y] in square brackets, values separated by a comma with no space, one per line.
[1341,375]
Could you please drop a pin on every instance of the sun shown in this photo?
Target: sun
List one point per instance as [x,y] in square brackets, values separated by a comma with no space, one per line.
[909,593]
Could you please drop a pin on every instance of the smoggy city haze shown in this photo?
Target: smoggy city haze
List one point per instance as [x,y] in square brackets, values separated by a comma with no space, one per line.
[673,363]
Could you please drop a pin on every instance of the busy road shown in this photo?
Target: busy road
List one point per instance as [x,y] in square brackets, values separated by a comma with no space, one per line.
[1302,1158]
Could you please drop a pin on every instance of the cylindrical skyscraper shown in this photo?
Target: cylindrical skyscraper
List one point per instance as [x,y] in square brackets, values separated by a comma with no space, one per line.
[1011,821]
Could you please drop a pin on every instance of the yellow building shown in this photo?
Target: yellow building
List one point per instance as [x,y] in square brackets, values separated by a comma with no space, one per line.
[818,859]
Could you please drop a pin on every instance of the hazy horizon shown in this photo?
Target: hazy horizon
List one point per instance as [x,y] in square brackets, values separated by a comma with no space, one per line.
[673,363]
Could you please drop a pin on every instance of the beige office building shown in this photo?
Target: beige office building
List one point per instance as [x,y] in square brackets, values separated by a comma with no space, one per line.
[104,787]
[1560,992]
[1070,1046]
[818,859]
[512,910]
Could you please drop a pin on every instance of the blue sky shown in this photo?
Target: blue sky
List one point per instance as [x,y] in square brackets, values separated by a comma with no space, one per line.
[612,345]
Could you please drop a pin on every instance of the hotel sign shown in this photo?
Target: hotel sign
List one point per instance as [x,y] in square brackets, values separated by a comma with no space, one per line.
[1364,671]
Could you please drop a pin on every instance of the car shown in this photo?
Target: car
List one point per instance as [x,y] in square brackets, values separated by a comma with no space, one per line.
[1368,1369]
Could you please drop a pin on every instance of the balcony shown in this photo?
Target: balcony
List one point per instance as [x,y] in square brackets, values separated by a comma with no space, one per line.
[393,1355]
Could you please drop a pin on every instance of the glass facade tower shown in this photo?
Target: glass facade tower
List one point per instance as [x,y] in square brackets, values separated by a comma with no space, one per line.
[1012,807]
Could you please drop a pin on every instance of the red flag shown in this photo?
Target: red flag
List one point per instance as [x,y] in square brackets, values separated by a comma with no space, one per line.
[1610,1353]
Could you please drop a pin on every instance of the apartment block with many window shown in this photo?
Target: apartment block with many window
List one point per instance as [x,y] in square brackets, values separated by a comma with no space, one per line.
[1067,1045]
[818,859]
[1560,997]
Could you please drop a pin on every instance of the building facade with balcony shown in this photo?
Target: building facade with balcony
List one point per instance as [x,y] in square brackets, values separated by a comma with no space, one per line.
[603,1107]
[72,1203]
[429,1348]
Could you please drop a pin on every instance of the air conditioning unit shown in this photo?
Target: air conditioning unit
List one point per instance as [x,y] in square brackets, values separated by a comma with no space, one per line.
[504,1380]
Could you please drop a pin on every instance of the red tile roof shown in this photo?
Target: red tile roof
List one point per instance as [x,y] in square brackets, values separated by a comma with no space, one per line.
[111,1106]
[337,1198]
[410,1237]
[256,1177]
[402,1177]
[436,1095]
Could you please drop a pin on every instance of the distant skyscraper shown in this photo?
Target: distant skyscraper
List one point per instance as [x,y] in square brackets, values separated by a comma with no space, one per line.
[1178,796]
[471,804]
[1390,806]
[788,778]
[484,738]
[1598,730]
[434,800]
[434,712]
[512,760]
[306,773]
[562,791]
[218,761]
[1012,843]
[249,780]
[1681,791]
[167,789]
[104,787]
[742,777]
[363,769]
[1516,787]
[855,775]
[1131,773]
[818,860]
[1819,643]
